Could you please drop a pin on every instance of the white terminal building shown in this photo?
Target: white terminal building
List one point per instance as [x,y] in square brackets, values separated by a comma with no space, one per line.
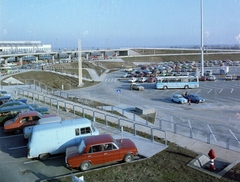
[18,47]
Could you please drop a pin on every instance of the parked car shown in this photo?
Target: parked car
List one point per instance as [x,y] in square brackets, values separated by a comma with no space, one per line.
[142,79]
[211,78]
[194,98]
[203,78]
[100,149]
[178,98]
[228,77]
[7,113]
[136,86]
[17,103]
[132,80]
[125,75]
[7,98]
[151,79]
[17,124]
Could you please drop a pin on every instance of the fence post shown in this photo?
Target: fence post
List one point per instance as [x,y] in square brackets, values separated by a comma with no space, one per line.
[228,143]
[208,137]
[152,137]
[160,123]
[175,127]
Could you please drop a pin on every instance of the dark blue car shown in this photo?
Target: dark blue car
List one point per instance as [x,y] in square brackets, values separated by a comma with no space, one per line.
[7,98]
[195,98]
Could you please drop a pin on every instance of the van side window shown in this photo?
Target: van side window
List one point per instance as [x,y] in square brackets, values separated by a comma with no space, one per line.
[85,130]
[77,131]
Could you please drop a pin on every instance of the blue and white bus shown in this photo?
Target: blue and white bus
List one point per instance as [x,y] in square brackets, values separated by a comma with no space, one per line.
[185,82]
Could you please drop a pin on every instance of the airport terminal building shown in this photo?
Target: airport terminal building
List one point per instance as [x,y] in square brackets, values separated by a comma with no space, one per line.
[18,47]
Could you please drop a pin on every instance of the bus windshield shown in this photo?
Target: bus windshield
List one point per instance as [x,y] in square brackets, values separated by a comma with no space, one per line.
[177,82]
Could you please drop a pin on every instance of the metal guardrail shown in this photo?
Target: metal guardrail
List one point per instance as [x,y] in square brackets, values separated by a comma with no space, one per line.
[64,105]
[164,125]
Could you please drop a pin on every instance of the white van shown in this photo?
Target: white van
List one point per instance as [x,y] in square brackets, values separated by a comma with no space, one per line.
[53,138]
[28,130]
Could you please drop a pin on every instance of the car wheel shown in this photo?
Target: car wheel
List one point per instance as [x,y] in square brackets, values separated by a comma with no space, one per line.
[197,101]
[85,166]
[17,132]
[165,87]
[128,158]
[44,157]
[186,87]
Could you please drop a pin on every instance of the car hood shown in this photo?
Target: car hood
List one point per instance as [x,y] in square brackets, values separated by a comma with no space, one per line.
[9,122]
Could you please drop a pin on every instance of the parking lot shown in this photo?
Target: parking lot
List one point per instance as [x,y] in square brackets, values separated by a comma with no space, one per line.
[219,114]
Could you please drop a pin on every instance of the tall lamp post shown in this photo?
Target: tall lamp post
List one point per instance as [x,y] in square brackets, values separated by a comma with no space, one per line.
[79,64]
[202,47]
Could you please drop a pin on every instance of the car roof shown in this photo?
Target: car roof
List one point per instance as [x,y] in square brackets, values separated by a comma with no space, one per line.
[12,108]
[97,139]
[13,102]
[177,94]
[30,113]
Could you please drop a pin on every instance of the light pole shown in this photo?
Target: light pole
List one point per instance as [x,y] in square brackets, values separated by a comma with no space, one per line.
[202,47]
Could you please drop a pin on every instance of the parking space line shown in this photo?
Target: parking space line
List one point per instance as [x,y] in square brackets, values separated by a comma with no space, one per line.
[232,90]
[234,136]
[153,92]
[198,91]
[14,148]
[220,91]
[209,91]
[29,162]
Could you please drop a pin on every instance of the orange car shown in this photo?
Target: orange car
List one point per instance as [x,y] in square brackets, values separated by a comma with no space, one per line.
[99,149]
[22,120]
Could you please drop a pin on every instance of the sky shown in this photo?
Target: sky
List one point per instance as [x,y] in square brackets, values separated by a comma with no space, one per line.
[120,23]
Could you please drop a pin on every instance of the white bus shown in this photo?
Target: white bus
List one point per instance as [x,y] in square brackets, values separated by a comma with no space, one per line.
[185,82]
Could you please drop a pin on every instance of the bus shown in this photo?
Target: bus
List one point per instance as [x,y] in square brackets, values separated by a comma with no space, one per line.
[185,82]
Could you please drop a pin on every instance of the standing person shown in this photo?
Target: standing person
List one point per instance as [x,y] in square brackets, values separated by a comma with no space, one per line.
[186,93]
[189,101]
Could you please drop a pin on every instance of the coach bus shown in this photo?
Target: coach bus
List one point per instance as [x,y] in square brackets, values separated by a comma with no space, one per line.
[185,82]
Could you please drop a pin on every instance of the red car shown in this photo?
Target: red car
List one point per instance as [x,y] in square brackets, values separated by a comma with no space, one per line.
[22,120]
[203,78]
[99,149]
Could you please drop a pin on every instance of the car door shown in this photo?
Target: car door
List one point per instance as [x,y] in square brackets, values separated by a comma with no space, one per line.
[111,153]
[95,154]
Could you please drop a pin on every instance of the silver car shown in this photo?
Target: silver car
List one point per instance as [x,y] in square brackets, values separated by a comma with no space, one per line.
[136,86]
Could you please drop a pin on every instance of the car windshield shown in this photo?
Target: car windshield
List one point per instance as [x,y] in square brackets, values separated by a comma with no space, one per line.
[15,119]
[81,147]
[40,115]
[116,143]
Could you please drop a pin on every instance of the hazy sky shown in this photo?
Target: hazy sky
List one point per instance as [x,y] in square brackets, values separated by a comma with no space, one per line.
[120,23]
